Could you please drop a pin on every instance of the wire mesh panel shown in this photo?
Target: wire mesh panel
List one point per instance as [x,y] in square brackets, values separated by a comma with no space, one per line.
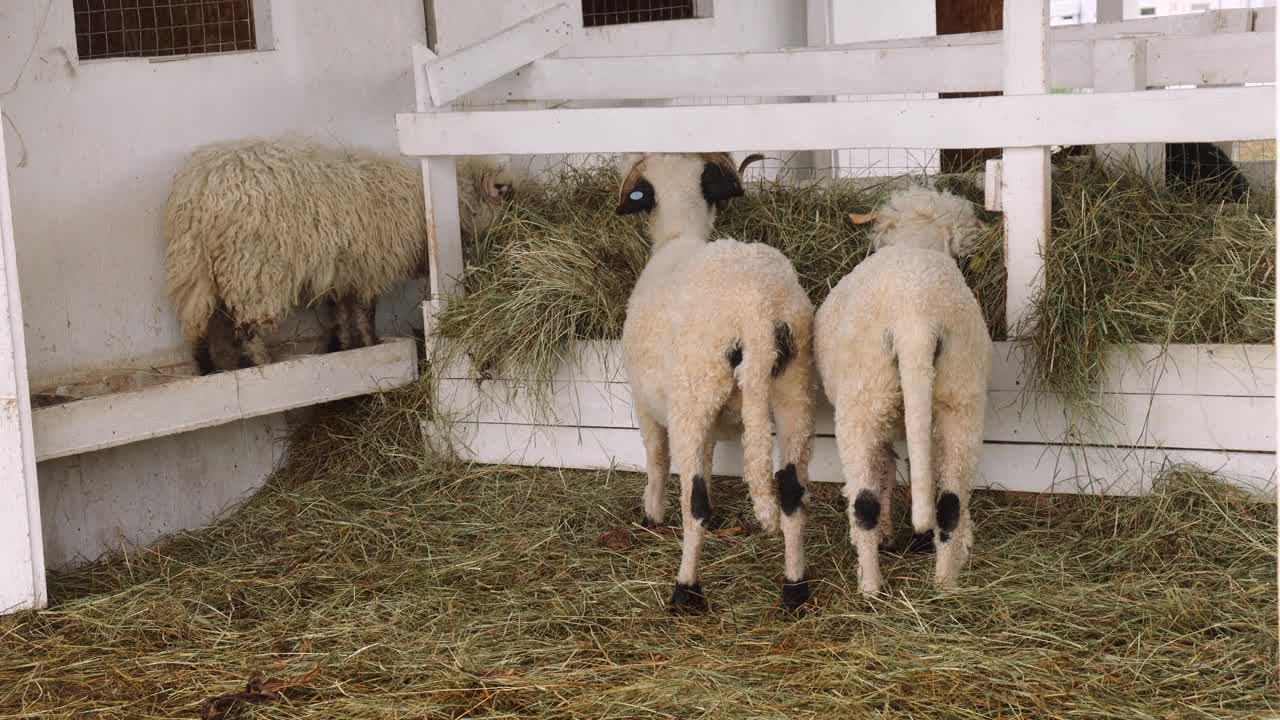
[621,12]
[155,28]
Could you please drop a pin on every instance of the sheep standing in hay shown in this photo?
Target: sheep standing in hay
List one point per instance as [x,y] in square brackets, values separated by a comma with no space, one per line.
[902,345]
[717,336]
[256,227]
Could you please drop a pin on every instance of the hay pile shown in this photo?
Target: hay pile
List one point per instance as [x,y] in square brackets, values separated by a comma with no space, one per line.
[368,582]
[1130,262]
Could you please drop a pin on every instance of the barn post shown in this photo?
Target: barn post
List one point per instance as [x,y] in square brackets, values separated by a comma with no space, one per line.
[1120,65]
[818,29]
[22,583]
[1025,170]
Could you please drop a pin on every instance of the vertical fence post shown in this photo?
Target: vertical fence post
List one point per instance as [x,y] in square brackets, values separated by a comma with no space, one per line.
[1025,171]
[1120,65]
[21,542]
[819,16]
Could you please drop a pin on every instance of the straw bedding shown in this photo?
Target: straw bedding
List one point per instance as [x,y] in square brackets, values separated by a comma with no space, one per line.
[1129,262]
[367,581]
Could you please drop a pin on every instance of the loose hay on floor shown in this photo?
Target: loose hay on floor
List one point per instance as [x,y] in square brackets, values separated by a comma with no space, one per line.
[365,582]
[1130,262]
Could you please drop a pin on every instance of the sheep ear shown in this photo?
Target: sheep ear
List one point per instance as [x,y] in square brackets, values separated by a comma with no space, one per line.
[720,179]
[635,194]
[862,218]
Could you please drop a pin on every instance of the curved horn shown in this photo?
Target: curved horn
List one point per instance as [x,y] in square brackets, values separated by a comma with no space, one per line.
[754,157]
[631,176]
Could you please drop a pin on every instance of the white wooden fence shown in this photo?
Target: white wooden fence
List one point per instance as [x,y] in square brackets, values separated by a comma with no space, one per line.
[1208,404]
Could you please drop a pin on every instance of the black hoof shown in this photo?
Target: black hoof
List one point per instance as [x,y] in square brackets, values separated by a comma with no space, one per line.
[334,345]
[921,542]
[647,522]
[688,598]
[795,595]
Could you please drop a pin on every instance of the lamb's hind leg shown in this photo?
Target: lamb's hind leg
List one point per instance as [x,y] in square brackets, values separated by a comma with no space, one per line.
[692,419]
[958,443]
[366,330]
[792,399]
[859,438]
[658,465]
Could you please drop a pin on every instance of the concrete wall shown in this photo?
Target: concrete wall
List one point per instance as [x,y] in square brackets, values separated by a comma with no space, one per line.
[92,149]
[103,138]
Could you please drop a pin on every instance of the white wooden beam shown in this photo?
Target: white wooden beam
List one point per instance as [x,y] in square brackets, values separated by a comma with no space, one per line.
[1025,170]
[1221,59]
[452,76]
[1122,66]
[1013,121]
[22,583]
[819,15]
[440,190]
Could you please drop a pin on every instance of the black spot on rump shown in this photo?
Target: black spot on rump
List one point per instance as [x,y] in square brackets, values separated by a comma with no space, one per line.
[700,503]
[866,510]
[948,514]
[784,346]
[790,493]
[734,354]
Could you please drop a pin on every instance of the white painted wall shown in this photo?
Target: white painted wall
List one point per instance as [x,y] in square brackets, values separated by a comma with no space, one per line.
[1133,8]
[103,138]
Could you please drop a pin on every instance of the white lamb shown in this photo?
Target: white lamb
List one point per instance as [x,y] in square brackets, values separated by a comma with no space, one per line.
[902,337]
[256,227]
[718,335]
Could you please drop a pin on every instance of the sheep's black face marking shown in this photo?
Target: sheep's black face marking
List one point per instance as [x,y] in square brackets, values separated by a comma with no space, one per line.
[700,503]
[948,515]
[790,493]
[794,594]
[641,198]
[866,510]
[688,598]
[719,185]
[784,346]
[921,542]
[734,354]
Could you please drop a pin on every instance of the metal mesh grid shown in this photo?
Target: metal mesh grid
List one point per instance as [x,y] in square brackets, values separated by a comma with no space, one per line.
[622,12]
[156,28]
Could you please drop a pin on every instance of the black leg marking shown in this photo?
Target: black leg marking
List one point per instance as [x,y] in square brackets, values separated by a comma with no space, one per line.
[646,522]
[790,493]
[784,346]
[700,503]
[734,354]
[921,542]
[948,515]
[794,594]
[203,358]
[866,510]
[688,597]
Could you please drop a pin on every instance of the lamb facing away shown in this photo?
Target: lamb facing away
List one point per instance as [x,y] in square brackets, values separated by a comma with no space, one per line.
[256,227]
[718,335]
[901,340]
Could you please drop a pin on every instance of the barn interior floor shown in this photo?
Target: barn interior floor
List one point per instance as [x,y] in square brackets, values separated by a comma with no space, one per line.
[366,581]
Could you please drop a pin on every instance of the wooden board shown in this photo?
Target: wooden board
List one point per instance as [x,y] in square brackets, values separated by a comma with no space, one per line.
[200,402]
[1201,115]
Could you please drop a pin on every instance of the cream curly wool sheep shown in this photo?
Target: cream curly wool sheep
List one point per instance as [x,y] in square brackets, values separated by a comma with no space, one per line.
[902,345]
[717,336]
[256,227]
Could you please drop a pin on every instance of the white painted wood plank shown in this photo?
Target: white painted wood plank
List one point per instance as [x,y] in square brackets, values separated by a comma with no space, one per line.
[1226,59]
[1023,468]
[440,189]
[1229,370]
[1024,171]
[22,568]
[452,76]
[190,404]
[1232,59]
[1175,421]
[1023,121]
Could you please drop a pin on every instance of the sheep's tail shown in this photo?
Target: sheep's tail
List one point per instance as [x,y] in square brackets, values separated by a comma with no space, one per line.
[916,353]
[189,273]
[765,354]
